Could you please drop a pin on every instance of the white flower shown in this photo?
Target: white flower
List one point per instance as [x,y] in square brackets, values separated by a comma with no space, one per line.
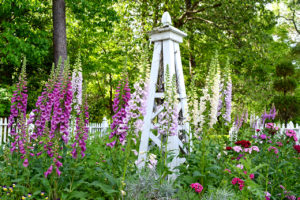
[214,101]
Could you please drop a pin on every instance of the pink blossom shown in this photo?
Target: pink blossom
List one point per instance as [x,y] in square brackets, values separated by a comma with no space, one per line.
[234,181]
[269,125]
[197,186]
[291,133]
[245,172]
[255,148]
[263,136]
[282,187]
[251,176]
[25,163]
[239,181]
[268,195]
[279,144]
[228,170]
[237,148]
[240,166]
[273,148]
[248,150]
[135,152]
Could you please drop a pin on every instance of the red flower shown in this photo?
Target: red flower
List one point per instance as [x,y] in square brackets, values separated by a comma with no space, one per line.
[243,143]
[297,148]
[228,148]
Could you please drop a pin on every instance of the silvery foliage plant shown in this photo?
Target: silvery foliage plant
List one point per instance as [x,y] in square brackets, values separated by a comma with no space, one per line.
[147,185]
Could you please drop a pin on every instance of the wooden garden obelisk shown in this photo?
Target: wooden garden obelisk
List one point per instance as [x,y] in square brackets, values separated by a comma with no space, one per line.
[166,53]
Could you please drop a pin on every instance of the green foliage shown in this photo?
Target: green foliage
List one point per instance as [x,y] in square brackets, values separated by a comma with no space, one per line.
[288,106]
[285,69]
[288,84]
[5,96]
[287,103]
[90,178]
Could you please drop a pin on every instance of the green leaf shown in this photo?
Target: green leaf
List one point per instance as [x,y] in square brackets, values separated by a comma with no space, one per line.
[78,195]
[105,188]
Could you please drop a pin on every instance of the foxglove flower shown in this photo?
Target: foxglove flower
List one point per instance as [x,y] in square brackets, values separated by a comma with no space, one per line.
[17,118]
[77,86]
[81,131]
[119,125]
[215,99]
[168,118]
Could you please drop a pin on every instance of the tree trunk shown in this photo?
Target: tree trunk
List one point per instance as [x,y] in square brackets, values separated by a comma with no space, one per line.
[59,32]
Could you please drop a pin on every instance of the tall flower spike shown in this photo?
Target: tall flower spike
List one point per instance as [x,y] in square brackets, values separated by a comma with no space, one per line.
[17,119]
[168,118]
[215,98]
[77,85]
[221,95]
[228,95]
[137,105]
[52,116]
[194,104]
[82,121]
[119,126]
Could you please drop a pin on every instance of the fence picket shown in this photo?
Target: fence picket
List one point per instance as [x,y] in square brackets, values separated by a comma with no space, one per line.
[94,128]
[1,122]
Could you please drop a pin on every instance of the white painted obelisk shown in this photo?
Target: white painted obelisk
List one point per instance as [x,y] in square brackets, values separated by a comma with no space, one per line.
[166,53]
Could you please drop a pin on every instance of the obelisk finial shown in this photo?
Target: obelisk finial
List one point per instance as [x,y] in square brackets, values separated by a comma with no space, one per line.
[166,19]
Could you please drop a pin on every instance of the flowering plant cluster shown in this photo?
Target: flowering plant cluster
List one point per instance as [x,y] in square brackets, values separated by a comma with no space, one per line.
[197,187]
[17,119]
[51,120]
[291,134]
[280,148]
[270,115]
[238,181]
[217,91]
[297,148]
[136,109]
[243,143]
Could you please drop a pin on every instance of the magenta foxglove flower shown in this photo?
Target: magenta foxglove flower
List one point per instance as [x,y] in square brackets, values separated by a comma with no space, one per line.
[25,163]
[119,126]
[81,130]
[17,118]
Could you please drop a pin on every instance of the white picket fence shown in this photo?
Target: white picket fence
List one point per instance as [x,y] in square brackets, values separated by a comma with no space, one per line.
[95,129]
[290,126]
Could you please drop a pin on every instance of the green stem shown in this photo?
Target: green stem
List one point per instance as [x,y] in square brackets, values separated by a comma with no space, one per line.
[127,154]
[70,190]
[166,151]
[267,179]
[203,141]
